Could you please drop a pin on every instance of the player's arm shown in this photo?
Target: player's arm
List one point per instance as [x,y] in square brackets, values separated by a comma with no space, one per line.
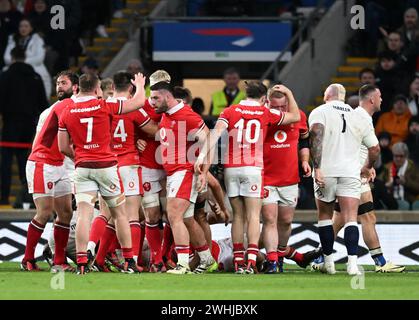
[202,137]
[218,194]
[64,144]
[316,146]
[138,100]
[371,142]
[293,115]
[207,153]
[150,128]
[304,154]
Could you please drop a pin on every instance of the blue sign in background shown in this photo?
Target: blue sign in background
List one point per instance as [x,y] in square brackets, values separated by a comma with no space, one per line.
[215,36]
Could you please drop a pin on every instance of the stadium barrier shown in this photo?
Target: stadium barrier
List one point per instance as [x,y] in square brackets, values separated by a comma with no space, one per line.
[398,232]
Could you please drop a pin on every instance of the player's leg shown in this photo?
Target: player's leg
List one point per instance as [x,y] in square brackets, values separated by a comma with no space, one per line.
[348,192]
[253,208]
[237,233]
[152,212]
[325,200]
[197,237]
[40,179]
[85,206]
[269,229]
[251,188]
[98,226]
[111,189]
[232,184]
[201,217]
[176,207]
[367,218]
[63,207]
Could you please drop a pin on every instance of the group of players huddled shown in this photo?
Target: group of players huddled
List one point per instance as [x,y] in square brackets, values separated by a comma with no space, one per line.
[120,171]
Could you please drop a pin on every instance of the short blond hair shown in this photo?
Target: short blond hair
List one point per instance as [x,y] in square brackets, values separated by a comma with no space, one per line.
[159,76]
[336,90]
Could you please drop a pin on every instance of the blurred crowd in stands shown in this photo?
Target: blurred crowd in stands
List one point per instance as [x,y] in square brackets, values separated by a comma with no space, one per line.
[27,23]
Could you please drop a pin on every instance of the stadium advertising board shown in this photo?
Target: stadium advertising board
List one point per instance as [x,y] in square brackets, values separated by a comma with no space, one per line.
[211,41]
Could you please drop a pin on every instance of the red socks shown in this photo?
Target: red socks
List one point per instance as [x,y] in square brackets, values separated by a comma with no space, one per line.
[140,248]
[152,233]
[272,256]
[81,257]
[97,229]
[252,253]
[35,231]
[105,241]
[290,253]
[135,237]
[61,233]
[167,241]
[238,253]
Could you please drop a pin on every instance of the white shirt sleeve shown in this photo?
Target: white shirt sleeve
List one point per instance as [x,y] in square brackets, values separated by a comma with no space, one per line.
[316,116]
[369,138]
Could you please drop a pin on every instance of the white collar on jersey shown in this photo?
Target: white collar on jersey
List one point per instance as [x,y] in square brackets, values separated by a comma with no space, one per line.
[175,109]
[83,99]
[249,103]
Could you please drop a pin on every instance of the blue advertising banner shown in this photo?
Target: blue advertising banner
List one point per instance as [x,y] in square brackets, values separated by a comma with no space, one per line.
[215,41]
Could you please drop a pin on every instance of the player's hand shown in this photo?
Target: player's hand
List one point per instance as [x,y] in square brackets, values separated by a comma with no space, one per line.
[139,80]
[223,213]
[226,217]
[201,182]
[141,144]
[319,178]
[306,169]
[199,164]
[373,174]
[281,88]
[366,174]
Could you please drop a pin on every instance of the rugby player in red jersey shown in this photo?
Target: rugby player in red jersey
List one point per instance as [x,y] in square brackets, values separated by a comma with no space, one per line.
[48,181]
[87,122]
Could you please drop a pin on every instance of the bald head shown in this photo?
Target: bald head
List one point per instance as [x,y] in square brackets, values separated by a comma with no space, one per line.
[334,92]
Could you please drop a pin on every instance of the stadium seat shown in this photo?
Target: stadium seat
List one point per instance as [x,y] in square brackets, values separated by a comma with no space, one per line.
[403,205]
[415,205]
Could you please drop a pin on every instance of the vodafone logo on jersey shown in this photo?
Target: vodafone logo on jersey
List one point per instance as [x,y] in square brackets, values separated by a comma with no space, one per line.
[254,187]
[280,136]
[131,184]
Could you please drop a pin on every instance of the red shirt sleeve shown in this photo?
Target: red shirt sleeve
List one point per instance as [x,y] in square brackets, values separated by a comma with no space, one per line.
[113,107]
[275,117]
[141,117]
[303,127]
[194,122]
[62,121]
[225,116]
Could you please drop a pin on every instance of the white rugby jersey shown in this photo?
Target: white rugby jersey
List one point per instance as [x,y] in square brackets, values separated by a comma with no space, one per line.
[364,151]
[345,131]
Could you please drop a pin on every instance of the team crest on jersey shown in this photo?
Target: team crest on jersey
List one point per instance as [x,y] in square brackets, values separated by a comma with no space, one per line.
[147,186]
[265,193]
[50,185]
[254,187]
[131,184]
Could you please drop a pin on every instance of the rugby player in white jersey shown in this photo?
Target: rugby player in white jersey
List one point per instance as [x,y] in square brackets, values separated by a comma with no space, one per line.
[336,135]
[370,102]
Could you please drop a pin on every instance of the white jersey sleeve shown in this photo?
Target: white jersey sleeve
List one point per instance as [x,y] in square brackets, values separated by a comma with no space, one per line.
[317,116]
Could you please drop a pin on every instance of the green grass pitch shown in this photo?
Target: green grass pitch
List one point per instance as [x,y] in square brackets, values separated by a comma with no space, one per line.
[293,284]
